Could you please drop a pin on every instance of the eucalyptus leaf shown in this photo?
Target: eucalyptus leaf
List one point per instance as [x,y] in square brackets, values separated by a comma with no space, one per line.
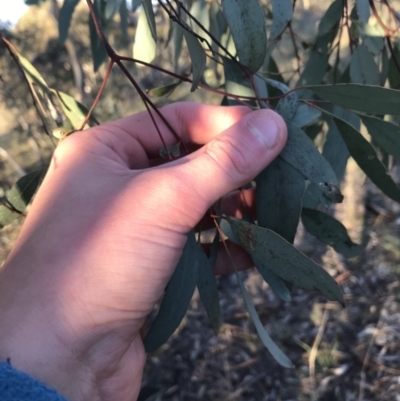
[394,69]
[99,52]
[247,24]
[163,90]
[331,18]
[275,253]
[364,98]
[305,115]
[145,45]
[282,11]
[178,41]
[383,74]
[112,6]
[177,296]
[384,133]
[174,150]
[123,16]
[363,69]
[236,81]
[208,286]
[64,18]
[363,10]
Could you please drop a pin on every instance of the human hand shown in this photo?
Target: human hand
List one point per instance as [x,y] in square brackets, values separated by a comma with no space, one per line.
[106,230]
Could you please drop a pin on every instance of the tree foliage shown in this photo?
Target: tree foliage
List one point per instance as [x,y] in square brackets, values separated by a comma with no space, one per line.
[336,86]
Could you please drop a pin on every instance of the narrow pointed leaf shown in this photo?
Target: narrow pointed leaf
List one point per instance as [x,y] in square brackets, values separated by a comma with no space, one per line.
[177,296]
[282,12]
[197,56]
[363,69]
[301,153]
[330,231]
[145,45]
[247,24]
[394,72]
[178,41]
[64,19]
[123,16]
[99,52]
[20,195]
[275,351]
[269,249]
[364,98]
[386,134]
[305,115]
[112,6]
[365,156]
[208,286]
[331,18]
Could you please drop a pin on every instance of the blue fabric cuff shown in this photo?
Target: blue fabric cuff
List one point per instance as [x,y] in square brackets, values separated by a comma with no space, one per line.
[18,386]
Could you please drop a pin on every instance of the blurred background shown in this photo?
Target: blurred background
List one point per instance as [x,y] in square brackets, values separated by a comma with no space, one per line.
[339,354]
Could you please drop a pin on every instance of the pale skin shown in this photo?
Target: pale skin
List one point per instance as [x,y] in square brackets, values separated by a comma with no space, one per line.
[105,232]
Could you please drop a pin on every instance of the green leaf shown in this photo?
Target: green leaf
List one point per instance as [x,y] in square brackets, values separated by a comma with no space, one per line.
[383,74]
[305,115]
[64,19]
[99,52]
[112,6]
[145,45]
[394,72]
[368,99]
[363,69]
[174,150]
[287,107]
[247,24]
[236,81]
[331,18]
[123,16]
[199,11]
[365,156]
[218,23]
[363,10]
[330,231]
[20,195]
[75,111]
[177,296]
[301,153]
[135,4]
[275,351]
[208,286]
[178,40]
[386,134]
[163,90]
[275,253]
[282,11]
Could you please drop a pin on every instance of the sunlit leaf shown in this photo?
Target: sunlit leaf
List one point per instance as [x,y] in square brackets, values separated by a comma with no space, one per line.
[368,99]
[275,253]
[64,19]
[363,69]
[282,11]
[177,296]
[163,90]
[330,231]
[246,21]
[145,45]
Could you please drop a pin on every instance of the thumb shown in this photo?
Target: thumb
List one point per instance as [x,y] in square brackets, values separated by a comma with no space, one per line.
[230,160]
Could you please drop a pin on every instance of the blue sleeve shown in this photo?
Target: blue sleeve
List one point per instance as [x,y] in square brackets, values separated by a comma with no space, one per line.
[18,386]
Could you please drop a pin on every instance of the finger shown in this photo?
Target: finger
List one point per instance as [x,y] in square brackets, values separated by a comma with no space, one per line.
[229,161]
[194,123]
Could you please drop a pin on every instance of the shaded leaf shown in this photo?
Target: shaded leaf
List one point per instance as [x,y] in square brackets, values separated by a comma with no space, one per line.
[330,231]
[64,18]
[199,11]
[331,18]
[365,156]
[236,81]
[99,52]
[394,70]
[305,115]
[197,57]
[275,351]
[275,253]
[112,6]
[123,16]
[135,4]
[207,285]
[178,41]
[247,24]
[282,12]
[163,90]
[145,45]
[368,99]
[383,74]
[287,106]
[218,23]
[363,10]
[177,296]
[20,195]
[301,153]
[174,150]
[384,133]
[363,69]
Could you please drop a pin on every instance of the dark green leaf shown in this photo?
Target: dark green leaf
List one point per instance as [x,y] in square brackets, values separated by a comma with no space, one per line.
[368,99]
[331,18]
[123,16]
[197,56]
[282,11]
[178,40]
[394,69]
[383,74]
[163,90]
[174,150]
[287,107]
[135,4]
[363,69]
[384,133]
[218,23]
[112,6]
[99,52]
[365,156]
[330,231]
[208,287]
[246,21]
[177,296]
[236,81]
[305,115]
[363,10]
[301,153]
[20,195]
[275,351]
[199,11]
[275,253]
[145,45]
[64,19]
